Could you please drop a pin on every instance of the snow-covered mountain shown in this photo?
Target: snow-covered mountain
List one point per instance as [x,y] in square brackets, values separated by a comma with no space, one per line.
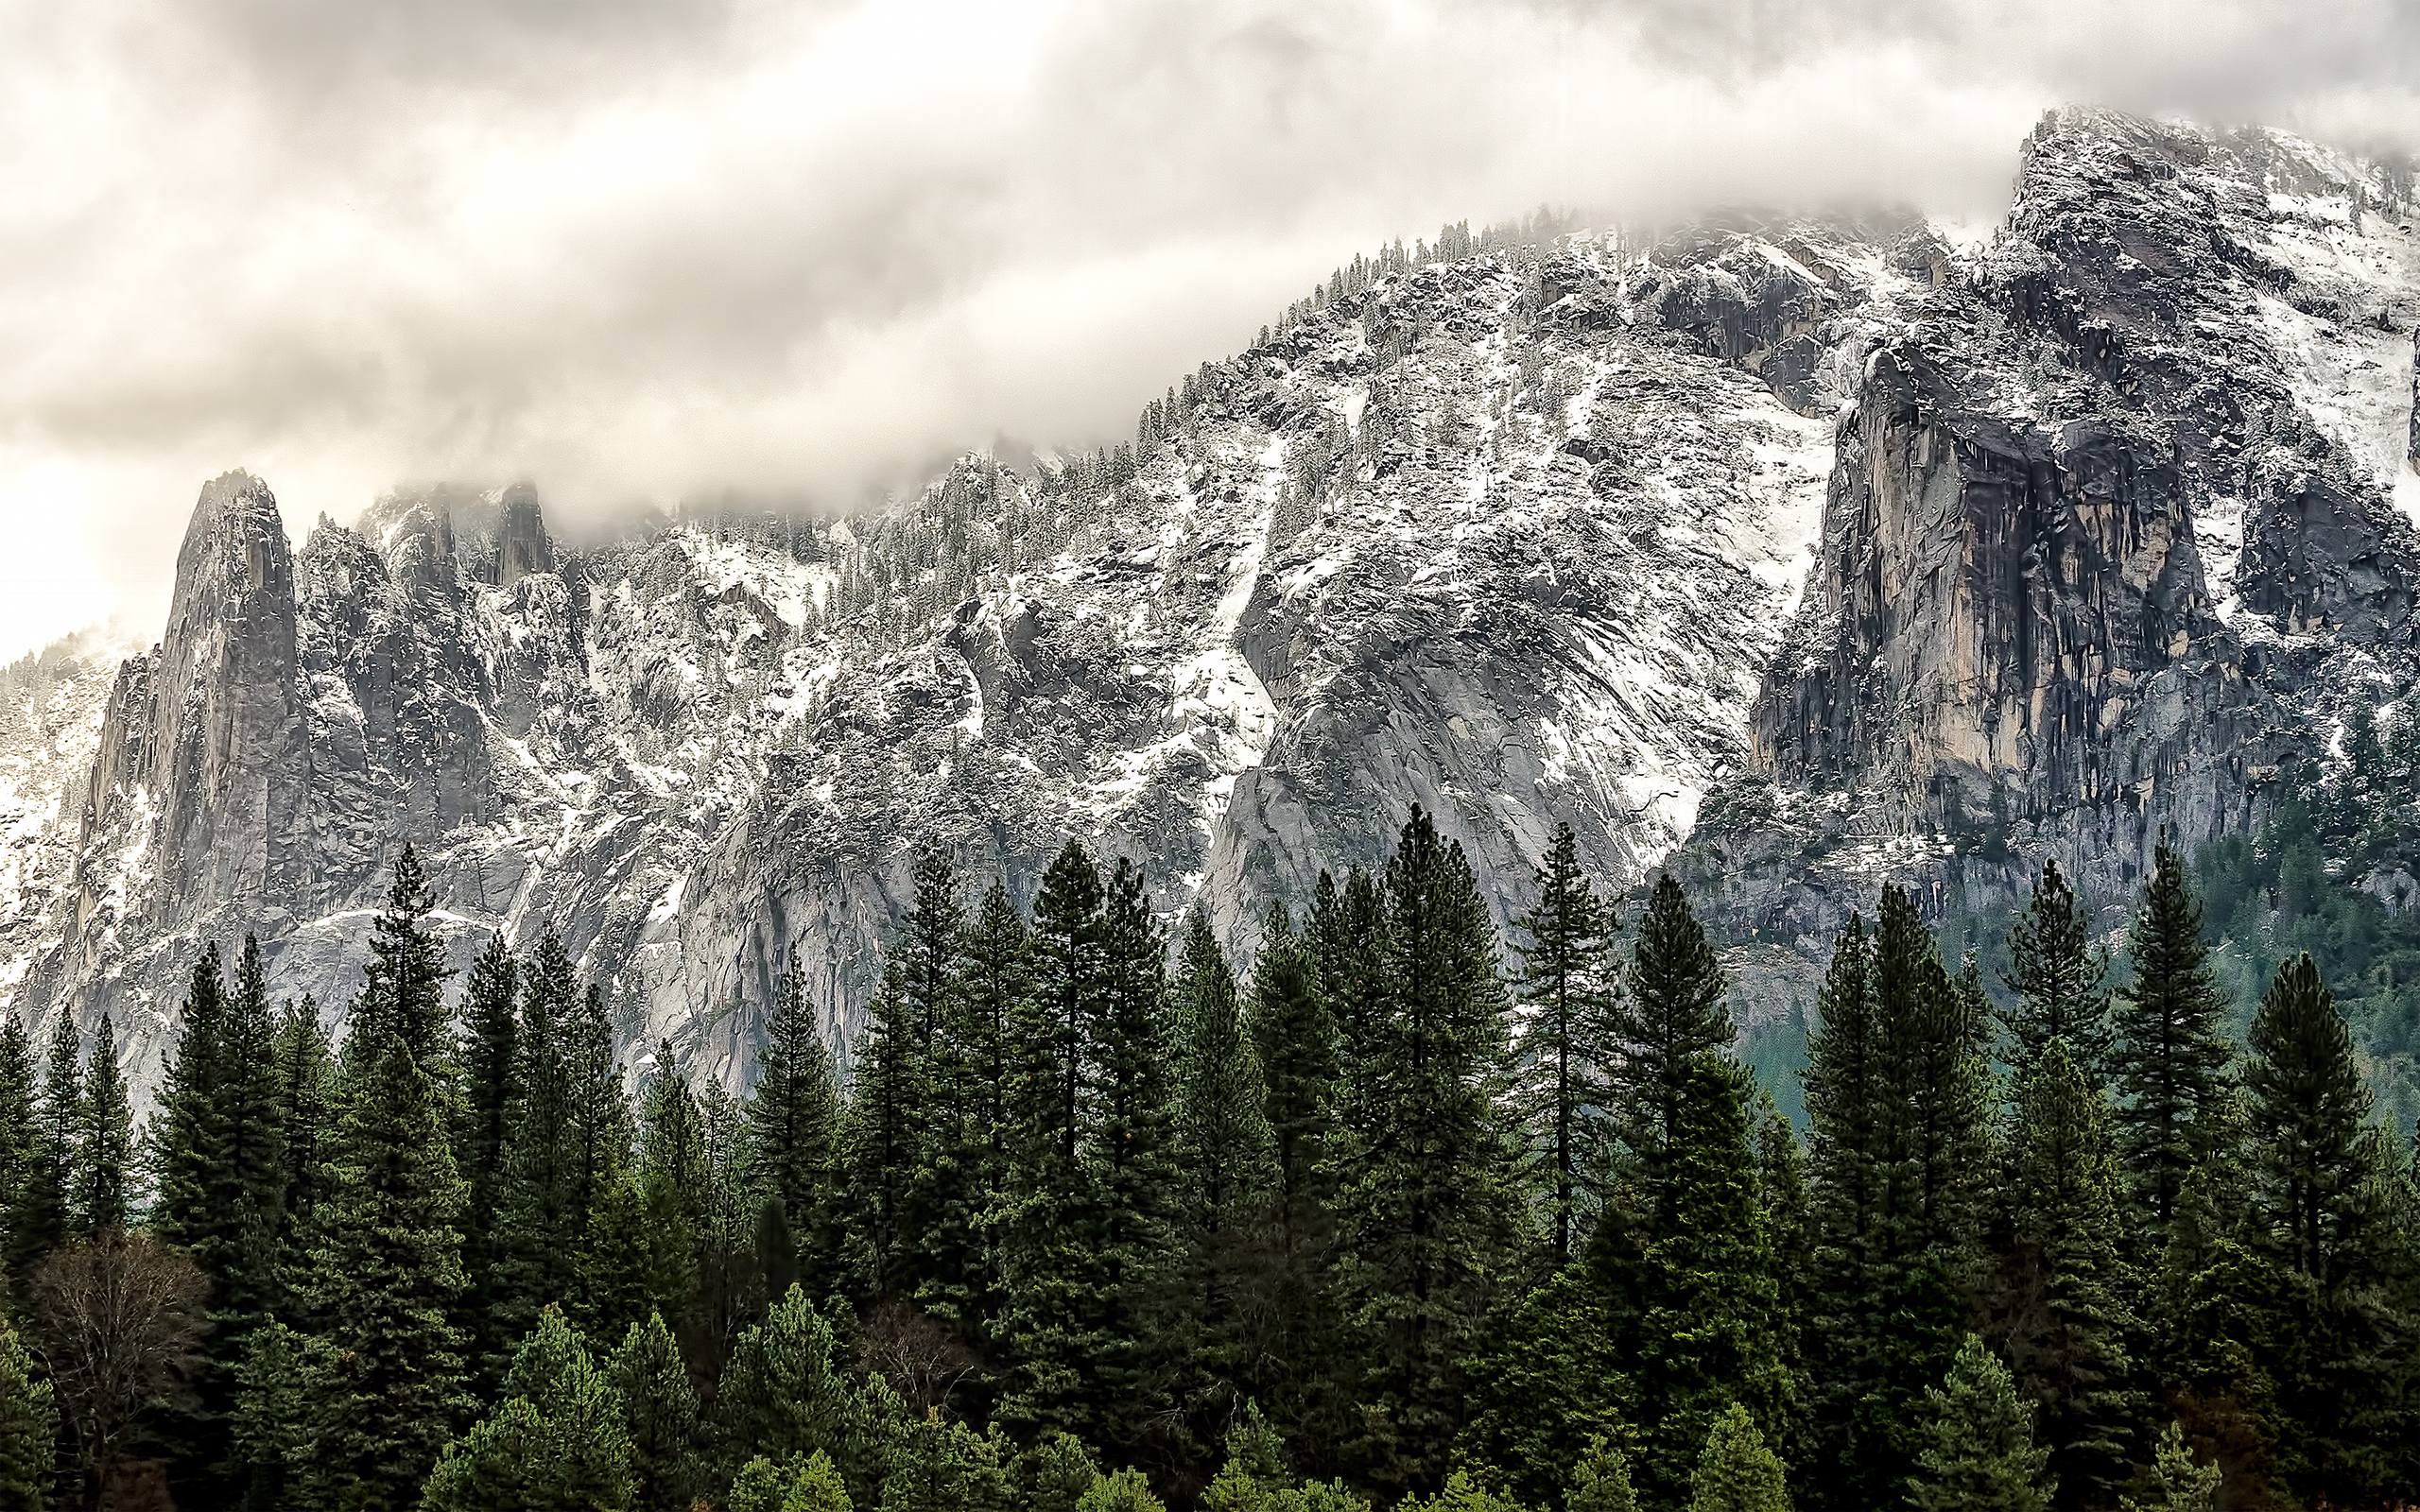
[1824,547]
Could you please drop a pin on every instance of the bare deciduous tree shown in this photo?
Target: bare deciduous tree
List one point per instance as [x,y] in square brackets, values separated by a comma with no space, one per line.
[925,1361]
[121,1318]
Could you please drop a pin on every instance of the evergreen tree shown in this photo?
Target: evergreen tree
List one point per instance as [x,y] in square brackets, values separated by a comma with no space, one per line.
[883,1132]
[275,1417]
[1706,1338]
[1566,1044]
[937,1466]
[1898,1099]
[28,1430]
[675,1181]
[802,1485]
[405,992]
[385,1281]
[1046,1222]
[1789,1238]
[730,1282]
[491,1101]
[542,1216]
[1737,1472]
[2180,1483]
[555,1444]
[2321,1225]
[1673,1013]
[929,967]
[1226,1157]
[1347,933]
[1135,1140]
[1977,1453]
[2067,1324]
[1295,1042]
[2170,1053]
[791,1134]
[303,1109]
[217,1152]
[783,1394]
[104,1141]
[1555,1375]
[187,1145]
[1600,1482]
[20,1128]
[970,1148]
[2057,976]
[1430,1214]
[609,1272]
[44,1206]
[659,1416]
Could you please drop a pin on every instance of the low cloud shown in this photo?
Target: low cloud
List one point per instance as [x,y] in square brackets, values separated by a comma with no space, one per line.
[643,249]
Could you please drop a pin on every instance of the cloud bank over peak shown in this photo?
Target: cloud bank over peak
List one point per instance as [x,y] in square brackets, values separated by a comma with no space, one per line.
[638,250]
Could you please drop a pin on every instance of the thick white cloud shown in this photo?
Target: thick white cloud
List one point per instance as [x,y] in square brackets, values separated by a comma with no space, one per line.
[638,249]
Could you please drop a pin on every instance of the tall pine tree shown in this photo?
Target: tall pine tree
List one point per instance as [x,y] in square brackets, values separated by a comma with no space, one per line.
[1565,1046]
[2056,974]
[2171,1054]
[104,1142]
[1431,1219]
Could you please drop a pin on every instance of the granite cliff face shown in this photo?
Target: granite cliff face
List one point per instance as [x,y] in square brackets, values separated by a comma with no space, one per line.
[1818,551]
[2113,535]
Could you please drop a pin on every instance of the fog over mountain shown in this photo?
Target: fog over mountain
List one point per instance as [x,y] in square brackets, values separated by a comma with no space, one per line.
[643,251]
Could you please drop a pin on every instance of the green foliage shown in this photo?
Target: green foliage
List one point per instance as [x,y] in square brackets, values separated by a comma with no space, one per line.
[1552,1382]
[217,1154]
[2064,1281]
[304,1105]
[1600,1482]
[2056,974]
[660,1417]
[490,1109]
[1737,1472]
[20,1133]
[1977,1453]
[803,1484]
[1122,1491]
[1227,1157]
[1707,1338]
[104,1141]
[2170,1054]
[557,1443]
[1052,1288]
[383,1283]
[42,1218]
[1461,1492]
[937,1466]
[1294,1035]
[891,1117]
[783,1394]
[1056,1473]
[1567,1046]
[791,1134]
[2179,1483]
[2321,1222]
[28,1430]
[1430,1215]
[1897,1097]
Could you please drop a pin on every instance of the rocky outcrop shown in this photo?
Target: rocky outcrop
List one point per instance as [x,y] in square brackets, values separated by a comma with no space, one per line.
[2102,550]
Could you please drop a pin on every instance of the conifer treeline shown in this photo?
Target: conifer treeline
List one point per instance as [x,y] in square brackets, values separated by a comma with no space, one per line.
[1097,1226]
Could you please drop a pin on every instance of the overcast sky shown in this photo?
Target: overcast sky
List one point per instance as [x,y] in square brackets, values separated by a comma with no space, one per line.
[640,248]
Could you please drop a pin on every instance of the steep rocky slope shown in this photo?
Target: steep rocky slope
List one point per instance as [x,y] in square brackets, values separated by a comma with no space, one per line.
[1824,548]
[2121,525]
[1510,534]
